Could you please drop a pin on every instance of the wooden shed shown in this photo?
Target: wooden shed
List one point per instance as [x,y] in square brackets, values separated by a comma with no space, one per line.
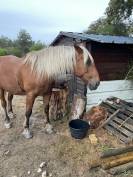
[112,54]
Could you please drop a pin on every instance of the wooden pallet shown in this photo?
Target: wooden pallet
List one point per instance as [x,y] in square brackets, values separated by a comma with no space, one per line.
[121,124]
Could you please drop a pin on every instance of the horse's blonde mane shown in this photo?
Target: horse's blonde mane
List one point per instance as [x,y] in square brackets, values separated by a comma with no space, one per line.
[87,55]
[53,60]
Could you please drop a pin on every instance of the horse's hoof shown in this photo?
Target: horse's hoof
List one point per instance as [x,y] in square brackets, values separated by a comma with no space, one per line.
[27,134]
[11,115]
[49,128]
[7,125]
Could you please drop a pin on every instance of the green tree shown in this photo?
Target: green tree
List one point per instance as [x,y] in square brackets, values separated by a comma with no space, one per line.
[14,51]
[37,46]
[117,20]
[19,46]
[5,42]
[119,11]
[101,26]
[24,41]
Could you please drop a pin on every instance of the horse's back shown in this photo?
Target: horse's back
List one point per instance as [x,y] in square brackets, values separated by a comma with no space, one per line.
[10,63]
[10,59]
[9,69]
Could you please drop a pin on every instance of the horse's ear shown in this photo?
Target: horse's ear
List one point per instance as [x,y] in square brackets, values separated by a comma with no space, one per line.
[78,48]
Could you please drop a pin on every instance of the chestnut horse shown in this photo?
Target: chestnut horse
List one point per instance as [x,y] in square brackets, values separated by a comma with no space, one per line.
[35,75]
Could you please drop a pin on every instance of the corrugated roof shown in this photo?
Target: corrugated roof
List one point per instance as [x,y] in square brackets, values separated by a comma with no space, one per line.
[97,38]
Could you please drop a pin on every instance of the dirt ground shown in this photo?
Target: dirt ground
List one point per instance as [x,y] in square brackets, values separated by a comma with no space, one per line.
[64,156]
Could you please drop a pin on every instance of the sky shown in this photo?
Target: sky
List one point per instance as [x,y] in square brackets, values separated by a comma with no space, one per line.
[44,19]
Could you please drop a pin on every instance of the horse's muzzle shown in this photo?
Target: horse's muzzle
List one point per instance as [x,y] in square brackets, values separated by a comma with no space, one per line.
[93,85]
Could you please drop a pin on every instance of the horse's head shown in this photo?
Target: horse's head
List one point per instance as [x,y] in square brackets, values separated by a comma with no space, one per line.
[85,68]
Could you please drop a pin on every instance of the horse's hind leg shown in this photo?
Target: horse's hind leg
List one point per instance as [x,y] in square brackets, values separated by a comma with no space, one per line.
[49,127]
[10,110]
[4,106]
[30,98]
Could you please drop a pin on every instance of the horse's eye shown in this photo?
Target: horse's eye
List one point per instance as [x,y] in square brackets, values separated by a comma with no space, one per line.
[88,62]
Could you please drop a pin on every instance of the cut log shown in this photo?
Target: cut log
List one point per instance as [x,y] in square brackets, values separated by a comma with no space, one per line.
[112,161]
[117,160]
[114,152]
[95,164]
[120,169]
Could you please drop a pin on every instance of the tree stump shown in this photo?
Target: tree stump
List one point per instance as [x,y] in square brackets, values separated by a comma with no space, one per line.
[58,103]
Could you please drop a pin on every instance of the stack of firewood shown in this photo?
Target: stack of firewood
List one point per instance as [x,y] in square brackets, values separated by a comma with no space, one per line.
[116,161]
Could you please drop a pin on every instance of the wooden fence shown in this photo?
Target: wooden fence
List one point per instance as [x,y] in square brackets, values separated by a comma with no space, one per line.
[119,88]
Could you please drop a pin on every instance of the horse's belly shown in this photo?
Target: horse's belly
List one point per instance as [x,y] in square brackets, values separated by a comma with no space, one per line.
[9,68]
[11,86]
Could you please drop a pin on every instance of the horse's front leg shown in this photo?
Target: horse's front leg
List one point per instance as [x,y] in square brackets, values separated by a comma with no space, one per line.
[30,98]
[49,127]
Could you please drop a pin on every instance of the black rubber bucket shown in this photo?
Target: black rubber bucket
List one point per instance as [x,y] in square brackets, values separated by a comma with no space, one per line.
[78,128]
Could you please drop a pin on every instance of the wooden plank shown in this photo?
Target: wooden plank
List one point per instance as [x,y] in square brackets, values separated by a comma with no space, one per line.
[109,118]
[115,106]
[117,160]
[121,129]
[126,112]
[117,133]
[116,151]
[127,107]
[121,169]
[128,126]
[122,117]
[110,109]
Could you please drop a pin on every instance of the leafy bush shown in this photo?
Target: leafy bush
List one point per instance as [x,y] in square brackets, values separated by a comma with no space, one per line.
[20,46]
[37,46]
[14,51]
[3,52]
